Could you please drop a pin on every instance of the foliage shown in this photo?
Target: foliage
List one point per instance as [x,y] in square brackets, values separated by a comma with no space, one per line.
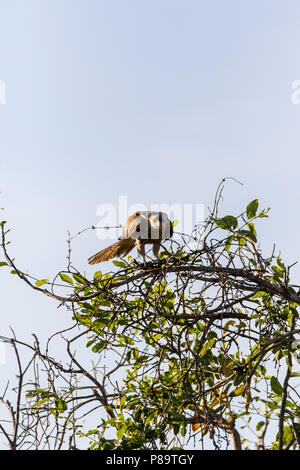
[194,348]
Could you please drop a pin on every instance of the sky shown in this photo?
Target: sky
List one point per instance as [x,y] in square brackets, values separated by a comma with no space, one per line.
[153,100]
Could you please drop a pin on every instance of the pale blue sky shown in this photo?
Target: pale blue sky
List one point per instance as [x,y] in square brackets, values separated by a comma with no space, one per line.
[156,100]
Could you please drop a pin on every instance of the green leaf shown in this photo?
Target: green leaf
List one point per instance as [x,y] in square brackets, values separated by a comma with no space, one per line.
[37,391]
[208,345]
[252,209]
[263,214]
[176,428]
[259,294]
[229,323]
[226,223]
[273,405]
[295,374]
[260,425]
[97,275]
[276,386]
[41,282]
[278,271]
[228,243]
[247,234]
[288,435]
[61,405]
[79,279]
[3,263]
[238,391]
[99,346]
[99,324]
[120,432]
[174,223]
[120,264]
[122,402]
[252,230]
[183,429]
[64,277]
[40,403]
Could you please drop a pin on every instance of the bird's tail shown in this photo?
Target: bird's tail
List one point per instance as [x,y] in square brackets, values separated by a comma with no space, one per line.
[120,248]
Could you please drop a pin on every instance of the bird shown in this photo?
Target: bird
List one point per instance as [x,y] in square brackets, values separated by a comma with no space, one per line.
[140,229]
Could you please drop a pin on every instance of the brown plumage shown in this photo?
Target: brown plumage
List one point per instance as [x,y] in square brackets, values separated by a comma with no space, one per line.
[120,248]
[142,228]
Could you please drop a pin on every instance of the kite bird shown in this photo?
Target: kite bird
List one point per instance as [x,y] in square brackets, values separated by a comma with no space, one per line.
[142,228]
